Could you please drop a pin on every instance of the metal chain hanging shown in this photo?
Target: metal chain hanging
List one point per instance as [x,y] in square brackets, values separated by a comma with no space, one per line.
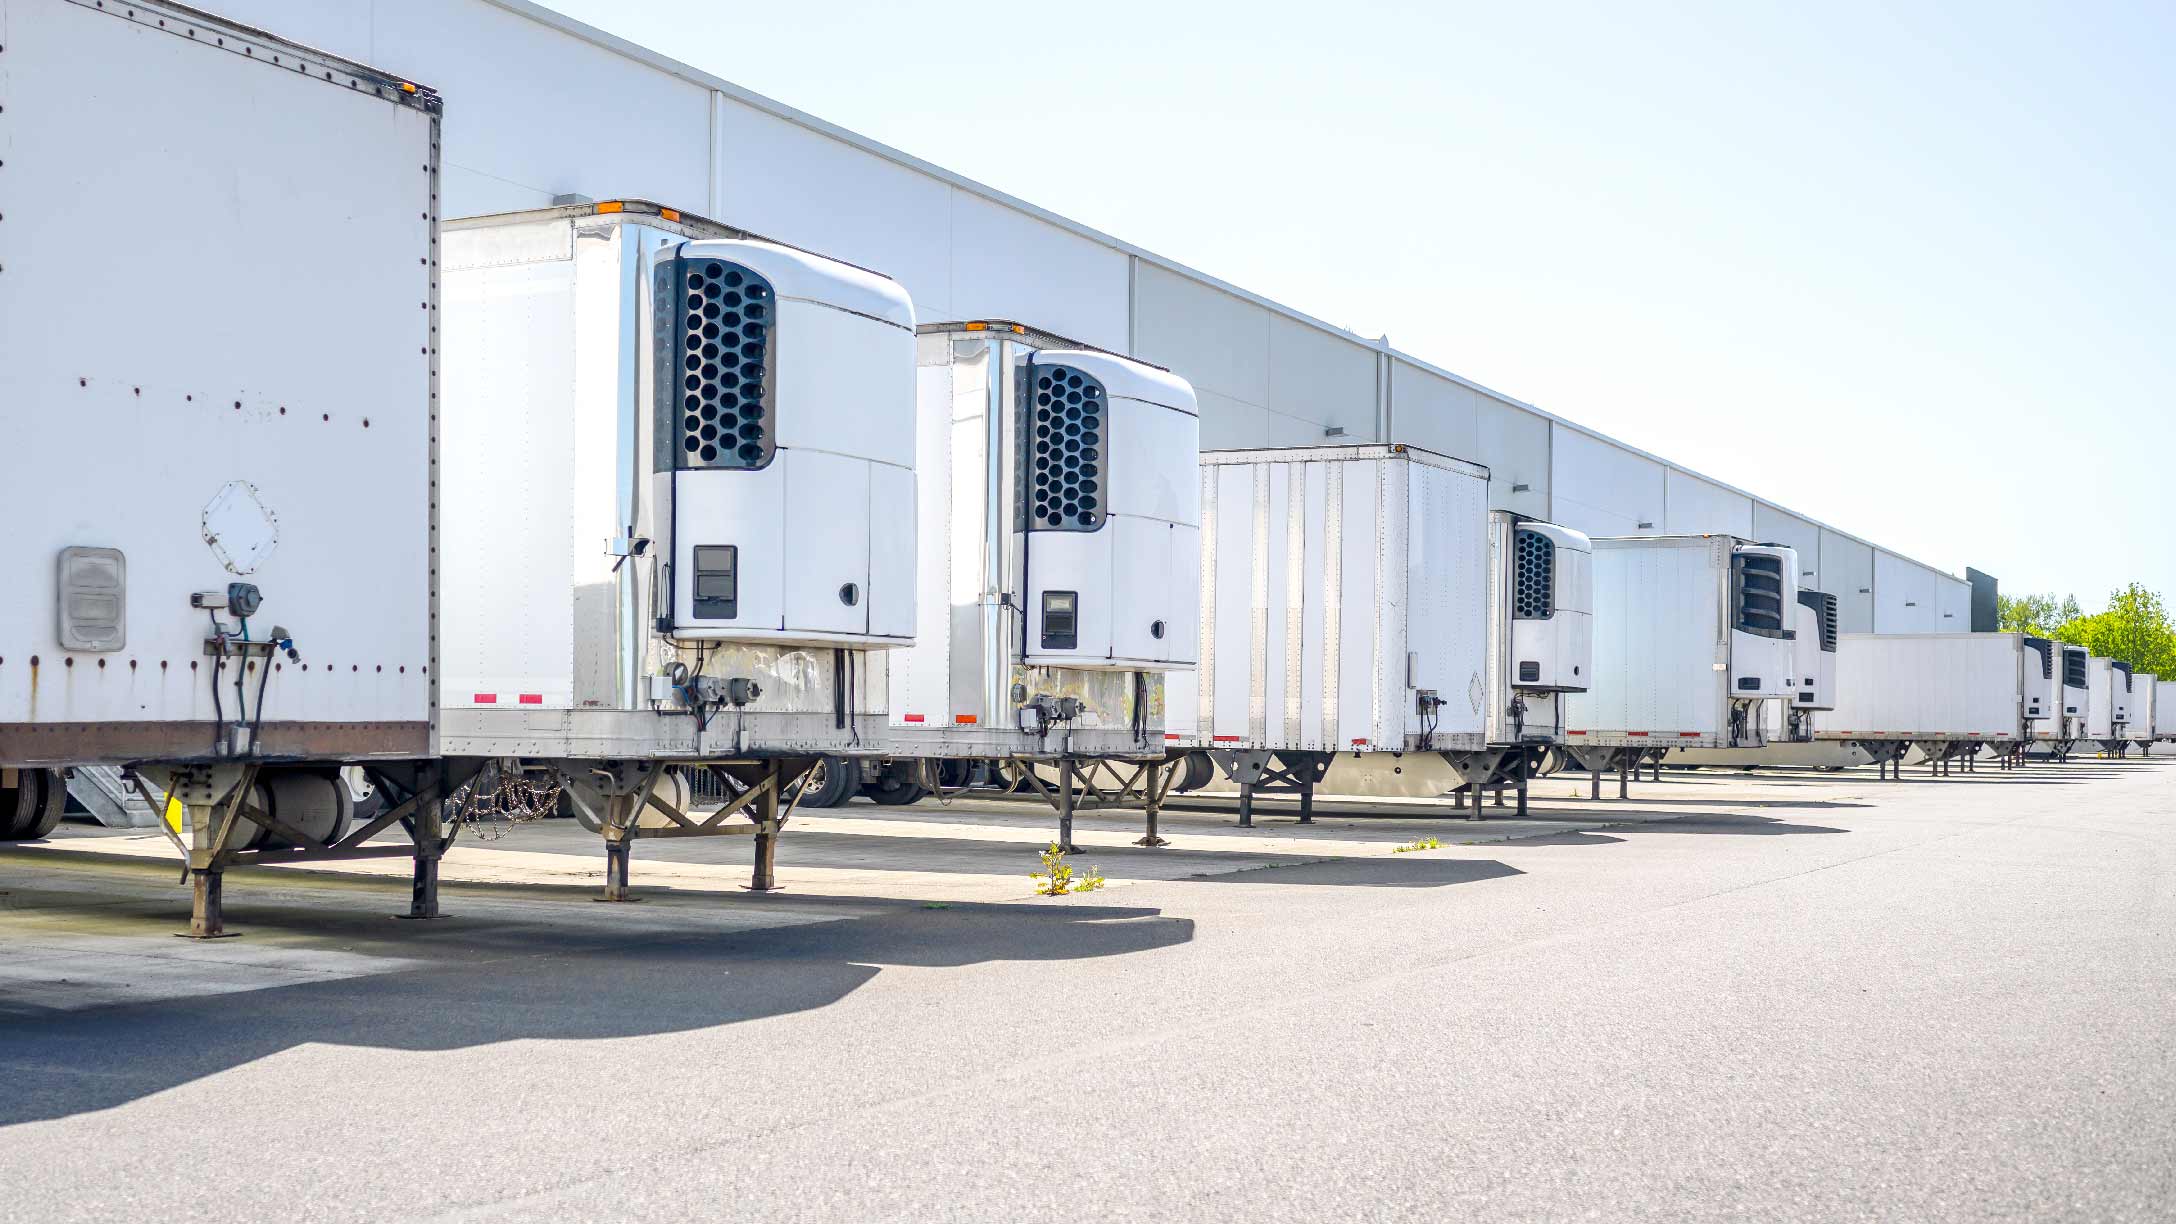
[496,800]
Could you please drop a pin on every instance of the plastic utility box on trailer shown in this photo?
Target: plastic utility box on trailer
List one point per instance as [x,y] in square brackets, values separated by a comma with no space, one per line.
[1950,695]
[1363,602]
[1692,636]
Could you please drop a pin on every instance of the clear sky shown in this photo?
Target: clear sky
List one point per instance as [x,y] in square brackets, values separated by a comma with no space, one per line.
[1901,267]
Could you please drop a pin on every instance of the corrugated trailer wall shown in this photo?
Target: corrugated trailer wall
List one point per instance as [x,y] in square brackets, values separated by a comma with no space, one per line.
[539,105]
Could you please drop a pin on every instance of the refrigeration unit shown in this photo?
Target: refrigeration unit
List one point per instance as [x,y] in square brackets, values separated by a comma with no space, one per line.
[1813,654]
[1362,604]
[680,523]
[218,309]
[1948,695]
[2070,698]
[1060,547]
[1692,639]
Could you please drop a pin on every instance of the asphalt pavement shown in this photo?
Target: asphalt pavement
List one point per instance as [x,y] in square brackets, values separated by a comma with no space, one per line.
[1837,1000]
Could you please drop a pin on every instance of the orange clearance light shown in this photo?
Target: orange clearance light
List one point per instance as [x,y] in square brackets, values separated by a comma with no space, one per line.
[978,327]
[405,87]
[670,214]
[611,206]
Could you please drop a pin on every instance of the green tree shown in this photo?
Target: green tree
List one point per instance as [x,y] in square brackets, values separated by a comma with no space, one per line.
[2135,629]
[2038,615]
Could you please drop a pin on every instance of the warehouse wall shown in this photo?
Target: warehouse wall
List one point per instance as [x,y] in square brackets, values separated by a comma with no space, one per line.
[538,106]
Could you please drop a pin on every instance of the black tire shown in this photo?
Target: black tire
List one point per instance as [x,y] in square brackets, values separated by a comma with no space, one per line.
[894,789]
[1196,770]
[832,782]
[34,806]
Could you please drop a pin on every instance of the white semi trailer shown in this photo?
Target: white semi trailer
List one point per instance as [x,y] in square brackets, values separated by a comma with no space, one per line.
[2164,709]
[2070,697]
[1692,640]
[219,335]
[2145,711]
[1362,602]
[1949,695]
[683,532]
[1060,561]
[2102,719]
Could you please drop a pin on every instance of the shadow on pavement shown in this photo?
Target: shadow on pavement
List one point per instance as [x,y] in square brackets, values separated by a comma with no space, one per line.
[1416,870]
[496,976]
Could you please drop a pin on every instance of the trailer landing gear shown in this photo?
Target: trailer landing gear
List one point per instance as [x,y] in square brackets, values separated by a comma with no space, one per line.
[1275,772]
[219,805]
[621,802]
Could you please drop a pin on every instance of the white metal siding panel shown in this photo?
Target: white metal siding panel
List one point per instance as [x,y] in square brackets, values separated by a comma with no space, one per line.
[1215,341]
[539,112]
[1847,567]
[1321,380]
[836,200]
[1773,526]
[1595,482]
[1693,506]
[1903,596]
[1432,412]
[1229,424]
[1009,265]
[1231,637]
[893,575]
[1952,604]
[1515,447]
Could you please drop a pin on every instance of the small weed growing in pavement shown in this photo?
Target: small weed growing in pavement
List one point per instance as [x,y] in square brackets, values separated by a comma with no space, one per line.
[936,905]
[1425,843]
[1057,879]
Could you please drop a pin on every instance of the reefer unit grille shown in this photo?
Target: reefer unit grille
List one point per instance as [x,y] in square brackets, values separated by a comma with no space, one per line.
[2119,667]
[1068,447]
[2046,651]
[1533,576]
[2074,669]
[1760,593]
[1824,606]
[722,315]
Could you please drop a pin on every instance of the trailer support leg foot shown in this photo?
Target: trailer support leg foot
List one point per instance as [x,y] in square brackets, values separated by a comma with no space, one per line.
[765,876]
[1246,805]
[1624,777]
[207,920]
[616,852]
[1307,803]
[1065,805]
[423,891]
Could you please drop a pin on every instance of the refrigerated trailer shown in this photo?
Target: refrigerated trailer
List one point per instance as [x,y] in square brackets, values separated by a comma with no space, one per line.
[680,529]
[2164,709]
[2102,718]
[1692,637]
[2145,710]
[1363,601]
[1949,695]
[218,343]
[1060,562]
[1791,723]
[2069,694]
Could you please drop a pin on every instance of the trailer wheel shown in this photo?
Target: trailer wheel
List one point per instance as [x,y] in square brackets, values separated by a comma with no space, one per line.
[829,784]
[894,789]
[1196,770]
[32,808]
